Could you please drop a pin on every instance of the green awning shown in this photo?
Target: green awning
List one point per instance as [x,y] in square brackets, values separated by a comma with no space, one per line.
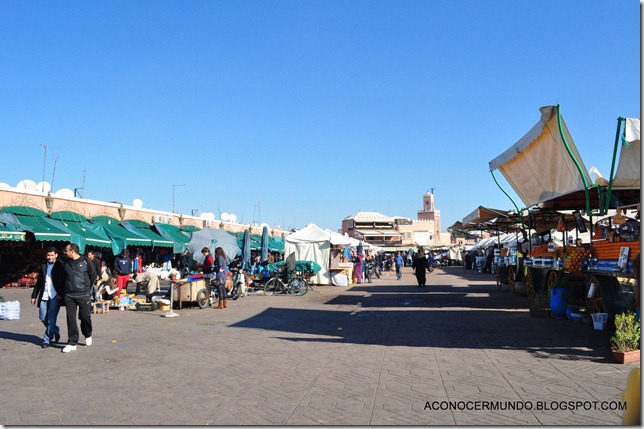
[68,216]
[121,237]
[82,235]
[41,229]
[10,234]
[24,210]
[172,232]
[145,230]
[189,228]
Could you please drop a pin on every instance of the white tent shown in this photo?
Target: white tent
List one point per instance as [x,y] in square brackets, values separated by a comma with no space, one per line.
[628,170]
[312,243]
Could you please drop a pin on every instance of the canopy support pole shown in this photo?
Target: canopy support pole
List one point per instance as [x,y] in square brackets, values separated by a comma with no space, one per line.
[612,167]
[507,195]
[565,142]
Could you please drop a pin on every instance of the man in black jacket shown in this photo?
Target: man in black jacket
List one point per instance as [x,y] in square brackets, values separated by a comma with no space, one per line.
[48,295]
[79,278]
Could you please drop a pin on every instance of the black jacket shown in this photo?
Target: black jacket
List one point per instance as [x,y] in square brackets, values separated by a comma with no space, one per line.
[80,275]
[57,278]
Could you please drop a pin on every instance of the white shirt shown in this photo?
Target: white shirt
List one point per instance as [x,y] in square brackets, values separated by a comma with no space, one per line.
[50,292]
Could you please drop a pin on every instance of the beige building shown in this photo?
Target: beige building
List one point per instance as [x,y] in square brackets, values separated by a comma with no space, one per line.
[49,203]
[397,232]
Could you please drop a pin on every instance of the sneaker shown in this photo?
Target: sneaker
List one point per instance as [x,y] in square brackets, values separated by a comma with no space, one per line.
[45,345]
[88,341]
[69,348]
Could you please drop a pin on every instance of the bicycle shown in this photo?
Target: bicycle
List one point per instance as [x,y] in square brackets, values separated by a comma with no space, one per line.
[277,285]
[299,285]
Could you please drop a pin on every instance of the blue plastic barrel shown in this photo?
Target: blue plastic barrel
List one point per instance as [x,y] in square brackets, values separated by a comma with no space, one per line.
[558,302]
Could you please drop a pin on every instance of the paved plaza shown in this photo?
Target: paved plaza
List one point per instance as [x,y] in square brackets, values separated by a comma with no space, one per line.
[386,353]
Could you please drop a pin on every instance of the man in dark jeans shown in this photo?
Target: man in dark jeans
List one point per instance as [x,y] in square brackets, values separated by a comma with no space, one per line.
[48,295]
[79,278]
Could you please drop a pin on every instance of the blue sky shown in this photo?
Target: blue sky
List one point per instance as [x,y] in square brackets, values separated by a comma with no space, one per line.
[291,112]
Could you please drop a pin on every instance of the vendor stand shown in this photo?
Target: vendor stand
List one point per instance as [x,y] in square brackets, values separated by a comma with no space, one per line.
[546,179]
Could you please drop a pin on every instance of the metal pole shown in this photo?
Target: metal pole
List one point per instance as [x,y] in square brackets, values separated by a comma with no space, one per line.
[44,162]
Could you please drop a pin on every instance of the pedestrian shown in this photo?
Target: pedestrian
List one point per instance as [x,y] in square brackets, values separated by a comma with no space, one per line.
[420,264]
[221,273]
[48,294]
[97,267]
[123,268]
[207,267]
[357,267]
[79,277]
[398,262]
[148,280]
[185,263]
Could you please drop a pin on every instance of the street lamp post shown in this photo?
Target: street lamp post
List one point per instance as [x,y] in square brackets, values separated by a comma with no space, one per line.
[174,186]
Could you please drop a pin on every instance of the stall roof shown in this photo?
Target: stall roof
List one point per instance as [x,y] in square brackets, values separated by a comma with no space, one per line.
[172,232]
[483,214]
[144,229]
[629,168]
[538,166]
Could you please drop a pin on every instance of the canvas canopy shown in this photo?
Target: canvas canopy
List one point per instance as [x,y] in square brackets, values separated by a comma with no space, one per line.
[628,170]
[312,243]
[538,166]
[483,214]
[212,238]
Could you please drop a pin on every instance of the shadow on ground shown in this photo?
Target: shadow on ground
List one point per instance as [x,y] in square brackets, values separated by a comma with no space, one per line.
[442,316]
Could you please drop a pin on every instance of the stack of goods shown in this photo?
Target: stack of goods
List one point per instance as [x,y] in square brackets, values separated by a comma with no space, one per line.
[604,249]
[574,258]
[542,251]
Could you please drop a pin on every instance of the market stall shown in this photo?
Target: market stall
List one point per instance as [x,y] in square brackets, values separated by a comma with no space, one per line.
[546,171]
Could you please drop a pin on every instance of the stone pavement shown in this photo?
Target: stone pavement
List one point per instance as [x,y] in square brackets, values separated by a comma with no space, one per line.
[386,353]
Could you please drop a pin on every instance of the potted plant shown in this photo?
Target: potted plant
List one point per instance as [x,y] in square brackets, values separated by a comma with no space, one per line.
[540,306]
[626,340]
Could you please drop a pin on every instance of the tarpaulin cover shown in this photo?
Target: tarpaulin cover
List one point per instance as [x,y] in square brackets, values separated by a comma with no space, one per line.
[628,170]
[305,266]
[213,238]
[173,233]
[538,166]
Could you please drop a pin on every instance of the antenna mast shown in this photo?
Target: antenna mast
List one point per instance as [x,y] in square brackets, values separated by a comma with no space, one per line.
[53,173]
[77,190]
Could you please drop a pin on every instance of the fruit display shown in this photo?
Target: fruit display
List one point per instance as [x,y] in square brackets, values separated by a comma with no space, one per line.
[541,251]
[604,249]
[574,258]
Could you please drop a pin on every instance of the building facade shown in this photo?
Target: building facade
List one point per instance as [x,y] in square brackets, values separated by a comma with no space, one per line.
[398,232]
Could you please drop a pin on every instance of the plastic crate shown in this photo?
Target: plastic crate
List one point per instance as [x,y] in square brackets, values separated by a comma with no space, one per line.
[146,306]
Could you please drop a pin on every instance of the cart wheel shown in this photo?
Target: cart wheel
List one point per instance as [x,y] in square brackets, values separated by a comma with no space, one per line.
[596,303]
[202,298]
[511,279]
[551,280]
[529,285]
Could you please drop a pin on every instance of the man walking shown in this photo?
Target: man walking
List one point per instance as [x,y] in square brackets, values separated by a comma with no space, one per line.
[79,278]
[48,294]
[123,268]
[398,262]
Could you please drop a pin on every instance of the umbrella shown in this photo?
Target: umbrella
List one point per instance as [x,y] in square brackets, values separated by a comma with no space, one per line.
[212,238]
[245,262]
[264,248]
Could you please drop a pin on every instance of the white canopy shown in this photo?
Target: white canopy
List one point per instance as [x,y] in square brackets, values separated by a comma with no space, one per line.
[538,166]
[628,170]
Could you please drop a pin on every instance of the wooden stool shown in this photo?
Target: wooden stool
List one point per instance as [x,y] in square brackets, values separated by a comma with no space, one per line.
[101,307]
